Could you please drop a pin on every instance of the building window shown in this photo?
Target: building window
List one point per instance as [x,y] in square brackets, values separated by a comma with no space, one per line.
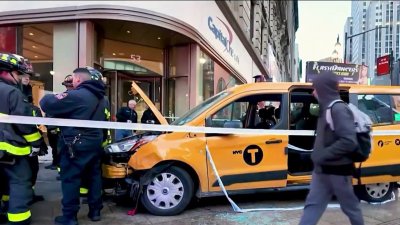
[214,78]
[252,12]
[37,46]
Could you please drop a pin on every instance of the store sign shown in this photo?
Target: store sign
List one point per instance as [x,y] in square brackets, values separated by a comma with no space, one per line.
[225,38]
[383,65]
[347,73]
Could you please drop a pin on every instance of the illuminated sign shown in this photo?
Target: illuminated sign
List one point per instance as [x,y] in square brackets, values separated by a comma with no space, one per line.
[383,65]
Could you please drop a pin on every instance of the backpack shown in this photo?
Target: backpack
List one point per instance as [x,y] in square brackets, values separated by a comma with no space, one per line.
[363,126]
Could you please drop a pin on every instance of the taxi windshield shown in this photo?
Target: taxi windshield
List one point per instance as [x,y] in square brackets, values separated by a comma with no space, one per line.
[196,111]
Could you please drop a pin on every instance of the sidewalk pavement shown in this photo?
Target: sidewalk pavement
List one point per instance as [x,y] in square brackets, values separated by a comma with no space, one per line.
[206,211]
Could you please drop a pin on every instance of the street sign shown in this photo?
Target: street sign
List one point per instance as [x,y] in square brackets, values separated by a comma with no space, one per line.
[383,65]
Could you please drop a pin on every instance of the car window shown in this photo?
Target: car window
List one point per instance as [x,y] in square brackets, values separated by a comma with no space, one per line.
[256,112]
[382,109]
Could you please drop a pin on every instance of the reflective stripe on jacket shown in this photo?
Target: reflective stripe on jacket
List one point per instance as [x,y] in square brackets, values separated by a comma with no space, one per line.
[16,139]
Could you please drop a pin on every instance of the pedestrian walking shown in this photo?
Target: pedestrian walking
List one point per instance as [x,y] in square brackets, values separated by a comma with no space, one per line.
[333,165]
[82,147]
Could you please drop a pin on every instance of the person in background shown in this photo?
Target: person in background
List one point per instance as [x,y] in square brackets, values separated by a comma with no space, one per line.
[34,159]
[126,115]
[149,117]
[26,89]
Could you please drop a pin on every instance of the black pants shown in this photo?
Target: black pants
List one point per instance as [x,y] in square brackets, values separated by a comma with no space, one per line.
[19,187]
[53,142]
[86,161]
[34,165]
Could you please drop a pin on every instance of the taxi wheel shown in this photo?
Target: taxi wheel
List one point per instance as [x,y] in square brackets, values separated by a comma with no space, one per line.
[169,193]
[378,192]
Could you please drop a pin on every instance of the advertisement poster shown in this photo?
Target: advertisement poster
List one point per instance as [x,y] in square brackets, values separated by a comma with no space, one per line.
[347,73]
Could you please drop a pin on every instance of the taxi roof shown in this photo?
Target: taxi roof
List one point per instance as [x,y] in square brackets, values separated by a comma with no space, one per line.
[286,86]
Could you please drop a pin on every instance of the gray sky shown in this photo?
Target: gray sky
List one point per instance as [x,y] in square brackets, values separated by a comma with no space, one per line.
[320,23]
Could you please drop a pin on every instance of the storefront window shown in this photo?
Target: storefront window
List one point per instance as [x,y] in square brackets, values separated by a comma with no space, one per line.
[37,46]
[213,77]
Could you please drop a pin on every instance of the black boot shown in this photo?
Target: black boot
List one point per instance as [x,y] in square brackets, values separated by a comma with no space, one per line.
[3,218]
[25,222]
[94,215]
[63,220]
[36,198]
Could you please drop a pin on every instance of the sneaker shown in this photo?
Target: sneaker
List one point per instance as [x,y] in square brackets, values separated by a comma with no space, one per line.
[63,220]
[51,167]
[94,215]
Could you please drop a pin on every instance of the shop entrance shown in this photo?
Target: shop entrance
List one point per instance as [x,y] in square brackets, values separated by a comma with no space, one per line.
[119,90]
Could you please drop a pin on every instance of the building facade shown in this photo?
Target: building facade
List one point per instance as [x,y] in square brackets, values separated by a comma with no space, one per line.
[386,40]
[270,27]
[175,52]
[348,28]
[359,15]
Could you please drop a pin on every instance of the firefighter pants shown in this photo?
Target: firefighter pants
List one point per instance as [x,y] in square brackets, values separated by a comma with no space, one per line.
[34,165]
[19,188]
[53,142]
[85,161]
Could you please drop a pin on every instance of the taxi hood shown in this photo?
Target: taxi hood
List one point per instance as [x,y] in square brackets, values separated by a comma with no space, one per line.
[136,88]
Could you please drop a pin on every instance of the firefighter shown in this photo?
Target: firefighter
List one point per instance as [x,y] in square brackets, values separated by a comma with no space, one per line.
[82,147]
[17,141]
[36,112]
[54,134]
[83,190]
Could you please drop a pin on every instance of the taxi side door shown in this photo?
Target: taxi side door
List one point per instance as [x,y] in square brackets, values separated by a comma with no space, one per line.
[249,161]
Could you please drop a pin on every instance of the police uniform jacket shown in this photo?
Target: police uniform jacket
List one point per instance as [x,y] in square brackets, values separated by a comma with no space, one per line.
[16,139]
[81,103]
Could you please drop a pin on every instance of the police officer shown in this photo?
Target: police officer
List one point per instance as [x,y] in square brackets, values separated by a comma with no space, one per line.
[17,141]
[83,146]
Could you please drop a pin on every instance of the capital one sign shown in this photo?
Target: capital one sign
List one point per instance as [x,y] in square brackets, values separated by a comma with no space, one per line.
[223,34]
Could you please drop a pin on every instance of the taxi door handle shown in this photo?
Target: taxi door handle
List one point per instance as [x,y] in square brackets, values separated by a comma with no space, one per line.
[278,141]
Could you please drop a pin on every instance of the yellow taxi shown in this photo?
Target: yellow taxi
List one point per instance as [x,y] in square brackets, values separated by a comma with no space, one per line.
[173,167]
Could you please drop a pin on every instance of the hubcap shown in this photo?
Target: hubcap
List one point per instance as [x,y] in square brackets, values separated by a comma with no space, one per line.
[165,191]
[377,190]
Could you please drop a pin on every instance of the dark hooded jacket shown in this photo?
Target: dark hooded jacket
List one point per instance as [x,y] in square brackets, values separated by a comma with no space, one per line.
[81,103]
[332,148]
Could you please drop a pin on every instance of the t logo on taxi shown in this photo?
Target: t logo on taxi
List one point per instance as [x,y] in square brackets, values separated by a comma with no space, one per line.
[253,155]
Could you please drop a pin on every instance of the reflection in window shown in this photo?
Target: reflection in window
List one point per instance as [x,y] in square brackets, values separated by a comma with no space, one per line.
[382,109]
[214,78]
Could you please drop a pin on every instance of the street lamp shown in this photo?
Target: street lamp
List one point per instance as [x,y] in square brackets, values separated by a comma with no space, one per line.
[349,37]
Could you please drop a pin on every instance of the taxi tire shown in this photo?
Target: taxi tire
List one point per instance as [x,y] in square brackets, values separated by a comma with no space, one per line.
[362,192]
[188,187]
